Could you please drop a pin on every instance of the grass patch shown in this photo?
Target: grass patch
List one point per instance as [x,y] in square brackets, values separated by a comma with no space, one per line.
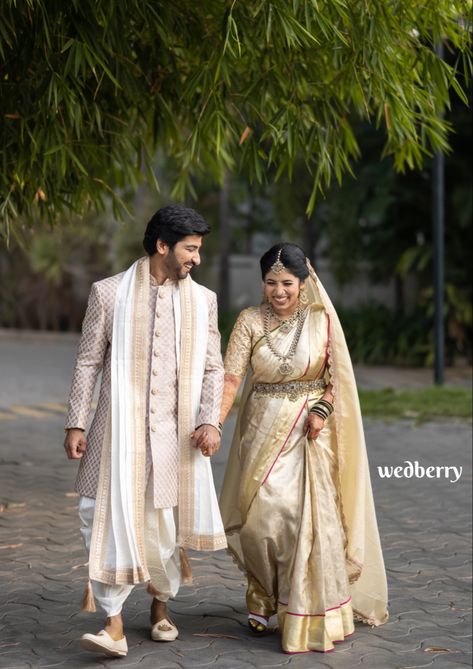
[425,404]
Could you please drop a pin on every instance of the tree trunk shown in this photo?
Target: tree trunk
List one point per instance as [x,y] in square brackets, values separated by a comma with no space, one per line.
[224,229]
[399,301]
[310,239]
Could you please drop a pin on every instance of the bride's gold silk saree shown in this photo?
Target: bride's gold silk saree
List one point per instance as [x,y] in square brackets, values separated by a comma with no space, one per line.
[299,513]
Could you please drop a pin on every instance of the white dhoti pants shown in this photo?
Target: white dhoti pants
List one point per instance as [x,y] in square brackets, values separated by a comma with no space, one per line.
[162,554]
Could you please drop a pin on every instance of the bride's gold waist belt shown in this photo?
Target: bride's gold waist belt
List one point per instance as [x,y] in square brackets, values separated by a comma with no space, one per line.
[292,390]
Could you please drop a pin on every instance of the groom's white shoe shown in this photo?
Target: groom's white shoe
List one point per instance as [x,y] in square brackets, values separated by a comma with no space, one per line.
[103,643]
[164,630]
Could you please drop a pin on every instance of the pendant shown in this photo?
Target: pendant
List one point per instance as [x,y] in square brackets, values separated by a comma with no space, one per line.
[286,327]
[286,368]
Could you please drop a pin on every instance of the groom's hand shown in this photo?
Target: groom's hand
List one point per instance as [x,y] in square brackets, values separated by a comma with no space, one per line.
[207,438]
[75,443]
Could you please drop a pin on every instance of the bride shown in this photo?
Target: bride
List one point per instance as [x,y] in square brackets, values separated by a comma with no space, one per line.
[296,499]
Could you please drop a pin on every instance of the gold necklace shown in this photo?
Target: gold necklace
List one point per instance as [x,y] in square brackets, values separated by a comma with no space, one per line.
[286,366]
[286,324]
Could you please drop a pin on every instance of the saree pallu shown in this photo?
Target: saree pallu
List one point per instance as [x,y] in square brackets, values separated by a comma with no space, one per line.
[286,531]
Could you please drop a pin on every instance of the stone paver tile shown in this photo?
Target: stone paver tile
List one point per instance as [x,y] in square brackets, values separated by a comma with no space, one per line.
[424,530]
[381,659]
[451,661]
[462,645]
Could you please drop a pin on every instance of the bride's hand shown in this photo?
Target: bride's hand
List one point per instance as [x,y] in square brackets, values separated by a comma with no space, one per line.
[313,425]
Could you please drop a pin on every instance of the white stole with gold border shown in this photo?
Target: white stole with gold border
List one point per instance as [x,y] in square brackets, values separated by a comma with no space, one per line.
[117,553]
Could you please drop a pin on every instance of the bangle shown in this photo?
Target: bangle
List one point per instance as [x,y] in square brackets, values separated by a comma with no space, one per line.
[327,404]
[319,408]
[322,408]
[317,412]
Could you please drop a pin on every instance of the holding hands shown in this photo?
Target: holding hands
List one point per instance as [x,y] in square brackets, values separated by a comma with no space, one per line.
[207,438]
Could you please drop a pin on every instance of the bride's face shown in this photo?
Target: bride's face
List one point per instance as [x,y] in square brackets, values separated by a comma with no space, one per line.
[281,290]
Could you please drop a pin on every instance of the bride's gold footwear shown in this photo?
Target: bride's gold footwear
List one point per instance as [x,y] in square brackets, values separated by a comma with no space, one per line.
[257,624]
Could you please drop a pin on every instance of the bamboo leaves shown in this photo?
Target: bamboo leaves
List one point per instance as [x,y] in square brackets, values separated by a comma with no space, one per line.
[90,91]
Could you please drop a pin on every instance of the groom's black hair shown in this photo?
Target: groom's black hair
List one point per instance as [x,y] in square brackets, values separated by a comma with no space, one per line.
[171,224]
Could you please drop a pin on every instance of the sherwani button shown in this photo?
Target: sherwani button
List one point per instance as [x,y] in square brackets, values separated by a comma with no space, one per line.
[155,353]
[155,372]
[157,333]
[152,410]
[153,428]
[154,391]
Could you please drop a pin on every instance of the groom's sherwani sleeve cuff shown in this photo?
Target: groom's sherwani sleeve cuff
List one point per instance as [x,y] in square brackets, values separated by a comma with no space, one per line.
[212,385]
[90,359]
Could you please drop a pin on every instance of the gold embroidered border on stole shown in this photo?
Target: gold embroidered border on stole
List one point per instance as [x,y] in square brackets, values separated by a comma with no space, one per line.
[140,351]
[188,538]
[102,514]
[101,525]
[184,412]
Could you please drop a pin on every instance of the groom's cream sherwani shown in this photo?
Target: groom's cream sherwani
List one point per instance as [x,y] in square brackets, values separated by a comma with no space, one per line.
[94,356]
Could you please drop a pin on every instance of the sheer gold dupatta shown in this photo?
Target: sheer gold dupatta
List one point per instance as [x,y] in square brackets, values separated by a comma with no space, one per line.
[363,547]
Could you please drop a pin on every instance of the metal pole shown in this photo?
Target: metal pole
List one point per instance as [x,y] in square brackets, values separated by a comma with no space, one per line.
[438,216]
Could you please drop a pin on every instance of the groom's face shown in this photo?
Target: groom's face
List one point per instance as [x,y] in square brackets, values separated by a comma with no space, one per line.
[184,256]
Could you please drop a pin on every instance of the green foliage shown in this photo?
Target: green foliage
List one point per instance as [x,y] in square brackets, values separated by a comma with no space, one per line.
[91,89]
[421,405]
[378,335]
[44,283]
[383,220]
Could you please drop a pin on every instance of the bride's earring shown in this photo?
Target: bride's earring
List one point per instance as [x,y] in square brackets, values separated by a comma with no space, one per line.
[303,299]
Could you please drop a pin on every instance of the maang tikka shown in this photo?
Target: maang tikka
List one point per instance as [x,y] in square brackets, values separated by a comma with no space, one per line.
[277,266]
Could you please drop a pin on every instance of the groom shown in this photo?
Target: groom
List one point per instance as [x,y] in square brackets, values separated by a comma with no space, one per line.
[144,478]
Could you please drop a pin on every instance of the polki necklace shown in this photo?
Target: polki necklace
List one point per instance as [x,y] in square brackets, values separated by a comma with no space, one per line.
[286,366]
[286,324]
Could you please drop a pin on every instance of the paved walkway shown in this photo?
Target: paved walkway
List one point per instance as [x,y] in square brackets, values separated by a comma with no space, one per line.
[425,526]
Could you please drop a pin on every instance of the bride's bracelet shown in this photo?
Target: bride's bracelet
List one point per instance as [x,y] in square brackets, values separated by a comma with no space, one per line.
[322,408]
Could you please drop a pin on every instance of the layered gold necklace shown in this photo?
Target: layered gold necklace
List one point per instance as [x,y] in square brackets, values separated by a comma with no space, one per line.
[297,319]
